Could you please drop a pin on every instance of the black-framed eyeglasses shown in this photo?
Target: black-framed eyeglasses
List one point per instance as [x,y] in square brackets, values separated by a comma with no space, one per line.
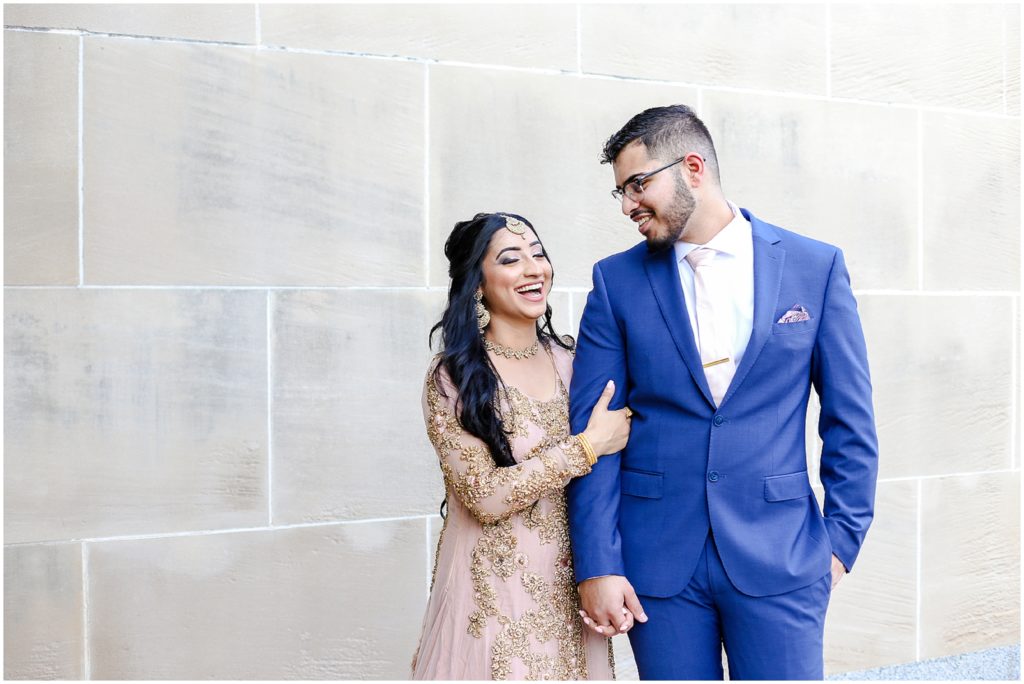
[634,189]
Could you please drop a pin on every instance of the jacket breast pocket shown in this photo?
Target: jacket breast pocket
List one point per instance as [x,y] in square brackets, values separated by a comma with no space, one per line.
[643,484]
[786,487]
[797,327]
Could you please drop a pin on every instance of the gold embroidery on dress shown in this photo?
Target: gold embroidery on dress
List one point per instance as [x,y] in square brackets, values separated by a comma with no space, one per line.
[538,498]
[481,477]
[551,620]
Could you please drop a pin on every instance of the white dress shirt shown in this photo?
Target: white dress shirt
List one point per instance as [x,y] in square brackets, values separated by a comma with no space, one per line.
[734,274]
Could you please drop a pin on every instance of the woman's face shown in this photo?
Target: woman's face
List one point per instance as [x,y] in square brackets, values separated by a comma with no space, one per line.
[517,276]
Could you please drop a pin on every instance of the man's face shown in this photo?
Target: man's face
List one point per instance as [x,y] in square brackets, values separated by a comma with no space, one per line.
[667,204]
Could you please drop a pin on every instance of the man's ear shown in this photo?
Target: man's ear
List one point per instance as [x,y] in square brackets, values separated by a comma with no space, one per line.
[695,169]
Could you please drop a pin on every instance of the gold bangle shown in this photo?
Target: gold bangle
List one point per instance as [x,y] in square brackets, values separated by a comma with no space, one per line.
[588,450]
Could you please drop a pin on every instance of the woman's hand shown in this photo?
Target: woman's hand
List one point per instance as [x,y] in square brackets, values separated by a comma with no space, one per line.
[607,431]
[609,631]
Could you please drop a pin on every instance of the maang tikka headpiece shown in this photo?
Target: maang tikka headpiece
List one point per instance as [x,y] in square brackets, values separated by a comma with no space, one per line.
[514,225]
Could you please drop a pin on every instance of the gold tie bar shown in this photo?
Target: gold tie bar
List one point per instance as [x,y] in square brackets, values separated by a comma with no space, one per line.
[715,363]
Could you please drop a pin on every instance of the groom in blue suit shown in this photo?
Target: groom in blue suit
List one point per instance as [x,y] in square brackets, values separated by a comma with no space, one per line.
[704,529]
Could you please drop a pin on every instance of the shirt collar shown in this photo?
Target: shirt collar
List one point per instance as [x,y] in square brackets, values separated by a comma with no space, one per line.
[735,239]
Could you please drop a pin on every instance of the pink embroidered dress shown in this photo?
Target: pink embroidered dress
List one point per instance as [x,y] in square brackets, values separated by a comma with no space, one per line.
[503,601]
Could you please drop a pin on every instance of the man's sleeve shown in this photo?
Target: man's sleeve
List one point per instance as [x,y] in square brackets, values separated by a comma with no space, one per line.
[593,499]
[849,455]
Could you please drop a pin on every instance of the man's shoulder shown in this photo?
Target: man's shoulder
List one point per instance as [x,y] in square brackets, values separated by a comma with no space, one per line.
[633,256]
[796,244]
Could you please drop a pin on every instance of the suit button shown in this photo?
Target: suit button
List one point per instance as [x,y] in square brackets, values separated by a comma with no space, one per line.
[718,420]
[713,476]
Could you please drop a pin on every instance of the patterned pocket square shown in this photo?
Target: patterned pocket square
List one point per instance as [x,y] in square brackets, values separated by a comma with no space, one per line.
[795,314]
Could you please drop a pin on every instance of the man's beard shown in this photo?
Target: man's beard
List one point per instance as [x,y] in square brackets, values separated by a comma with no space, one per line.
[674,218]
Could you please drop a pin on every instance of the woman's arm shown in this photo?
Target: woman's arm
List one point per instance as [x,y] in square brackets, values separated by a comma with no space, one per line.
[489,492]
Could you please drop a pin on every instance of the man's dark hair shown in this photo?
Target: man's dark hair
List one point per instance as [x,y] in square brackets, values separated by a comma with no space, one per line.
[668,133]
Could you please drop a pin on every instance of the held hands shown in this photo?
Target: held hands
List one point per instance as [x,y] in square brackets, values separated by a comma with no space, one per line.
[607,431]
[600,595]
[609,605]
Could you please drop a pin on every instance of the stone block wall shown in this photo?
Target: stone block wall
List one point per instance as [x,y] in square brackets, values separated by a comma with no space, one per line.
[223,236]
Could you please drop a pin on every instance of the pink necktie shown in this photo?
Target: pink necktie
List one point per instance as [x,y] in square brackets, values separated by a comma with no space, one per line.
[715,354]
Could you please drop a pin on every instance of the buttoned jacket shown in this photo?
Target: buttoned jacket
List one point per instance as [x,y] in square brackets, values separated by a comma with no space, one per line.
[738,470]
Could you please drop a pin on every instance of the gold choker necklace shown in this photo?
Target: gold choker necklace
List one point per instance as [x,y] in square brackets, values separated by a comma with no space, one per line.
[509,352]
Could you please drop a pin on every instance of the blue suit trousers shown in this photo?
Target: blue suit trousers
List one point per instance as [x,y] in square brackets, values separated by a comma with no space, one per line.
[765,637]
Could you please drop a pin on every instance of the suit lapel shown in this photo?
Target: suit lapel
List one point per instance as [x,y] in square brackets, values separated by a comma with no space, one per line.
[769,259]
[663,272]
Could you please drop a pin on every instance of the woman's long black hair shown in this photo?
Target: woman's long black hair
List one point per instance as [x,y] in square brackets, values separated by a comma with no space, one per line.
[462,348]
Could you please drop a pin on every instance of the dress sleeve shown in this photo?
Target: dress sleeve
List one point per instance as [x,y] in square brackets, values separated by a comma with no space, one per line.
[492,493]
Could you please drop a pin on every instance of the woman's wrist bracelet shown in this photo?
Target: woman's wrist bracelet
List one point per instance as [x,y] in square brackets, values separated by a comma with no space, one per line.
[588,449]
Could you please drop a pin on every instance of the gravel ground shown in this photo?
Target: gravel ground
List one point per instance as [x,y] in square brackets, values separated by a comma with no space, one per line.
[993,663]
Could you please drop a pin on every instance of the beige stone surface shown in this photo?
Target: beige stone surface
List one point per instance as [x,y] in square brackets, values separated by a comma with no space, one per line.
[970,563]
[145,411]
[812,441]
[880,596]
[531,144]
[625,665]
[43,632]
[348,370]
[40,159]
[819,492]
[326,602]
[578,302]
[521,35]
[769,47]
[230,23]
[1012,43]
[133,412]
[942,390]
[838,172]
[561,310]
[1018,336]
[912,53]
[218,166]
[972,202]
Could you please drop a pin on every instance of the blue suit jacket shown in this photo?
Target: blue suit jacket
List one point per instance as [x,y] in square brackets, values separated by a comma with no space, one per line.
[740,470]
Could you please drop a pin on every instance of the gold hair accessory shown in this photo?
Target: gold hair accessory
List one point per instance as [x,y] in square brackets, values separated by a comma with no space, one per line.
[509,352]
[588,450]
[514,225]
[483,316]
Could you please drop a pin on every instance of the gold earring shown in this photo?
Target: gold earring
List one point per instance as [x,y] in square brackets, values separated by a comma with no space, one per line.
[483,316]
